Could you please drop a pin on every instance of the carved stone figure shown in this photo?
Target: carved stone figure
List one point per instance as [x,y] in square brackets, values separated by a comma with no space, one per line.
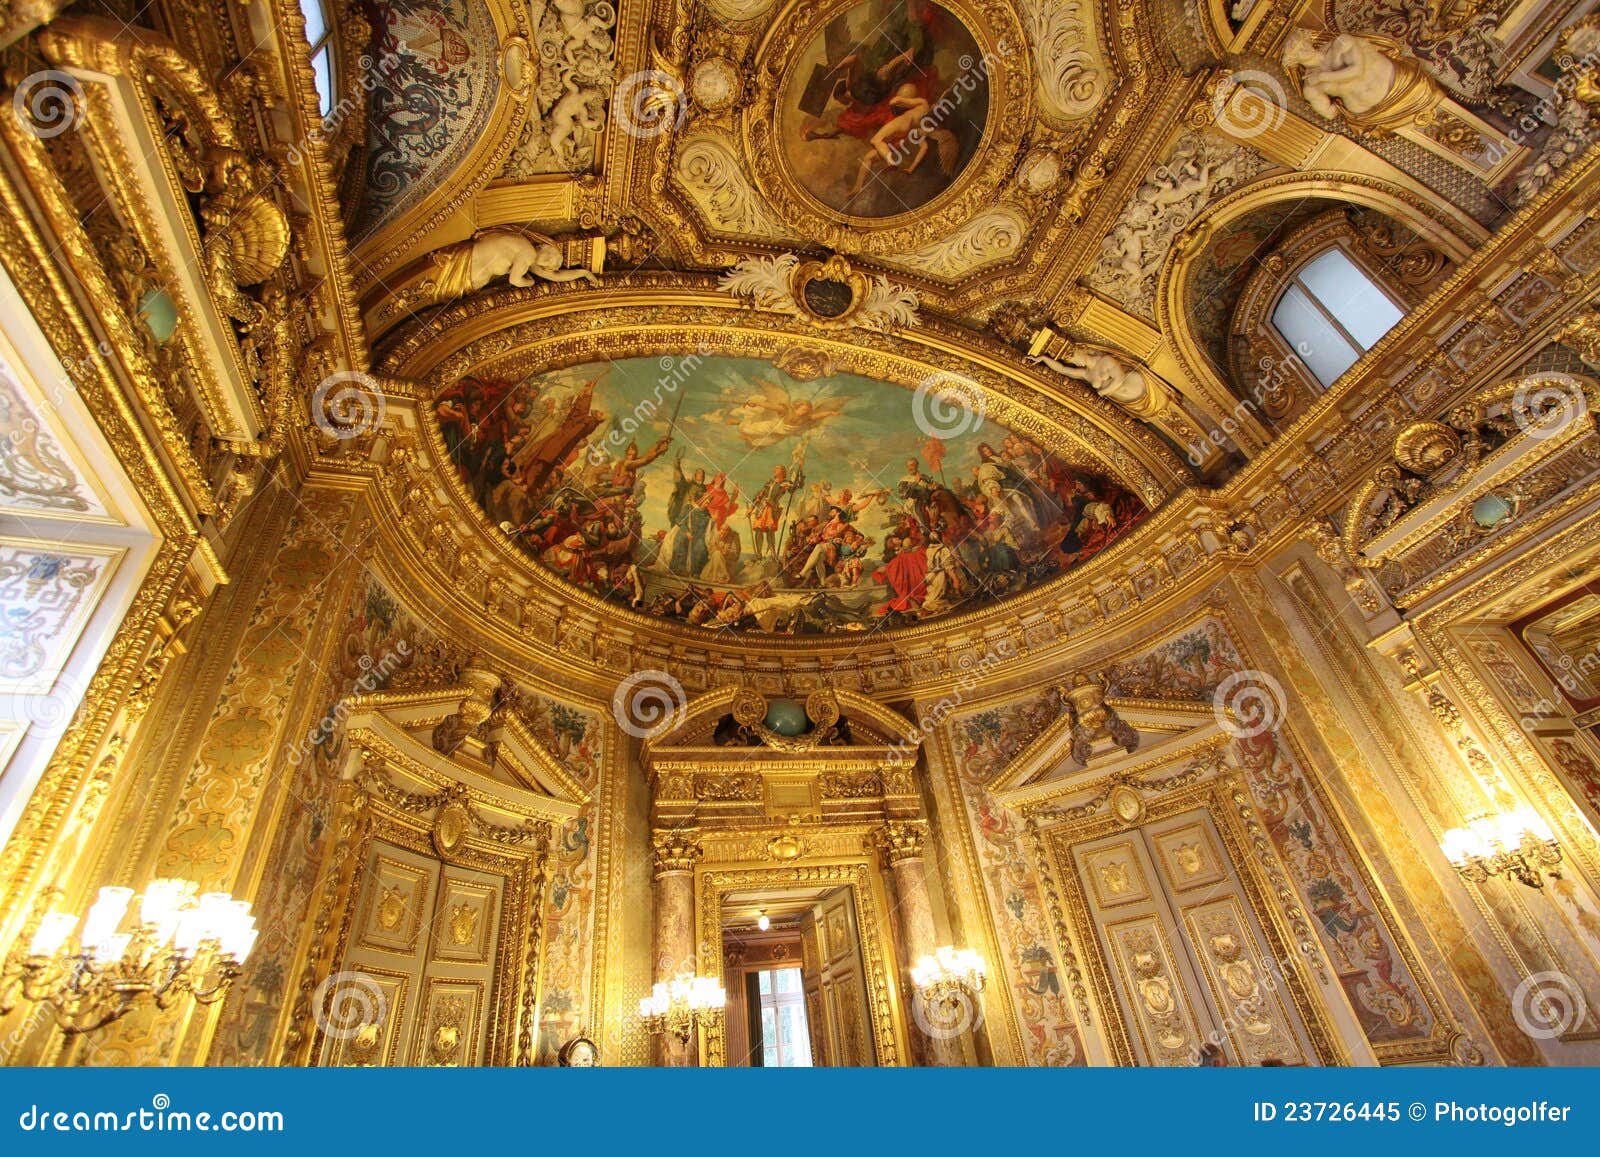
[1112,379]
[573,121]
[1366,81]
[1195,171]
[520,258]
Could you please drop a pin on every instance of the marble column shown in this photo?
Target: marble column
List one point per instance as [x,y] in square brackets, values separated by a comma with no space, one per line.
[675,855]
[902,843]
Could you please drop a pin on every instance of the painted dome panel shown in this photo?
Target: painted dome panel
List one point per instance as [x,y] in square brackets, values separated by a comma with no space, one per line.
[885,108]
[729,494]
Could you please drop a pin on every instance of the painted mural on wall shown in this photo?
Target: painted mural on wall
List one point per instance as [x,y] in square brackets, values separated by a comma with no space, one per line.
[1365,957]
[378,642]
[728,494]
[433,81]
[982,745]
[886,107]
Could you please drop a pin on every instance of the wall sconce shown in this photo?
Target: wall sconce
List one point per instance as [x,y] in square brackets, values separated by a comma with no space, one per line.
[682,1004]
[943,977]
[1518,844]
[183,941]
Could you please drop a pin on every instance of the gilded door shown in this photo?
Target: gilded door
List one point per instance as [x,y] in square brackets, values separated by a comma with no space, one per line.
[1185,952]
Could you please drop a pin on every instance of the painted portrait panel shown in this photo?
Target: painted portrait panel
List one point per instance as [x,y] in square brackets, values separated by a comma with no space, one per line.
[727,494]
[885,108]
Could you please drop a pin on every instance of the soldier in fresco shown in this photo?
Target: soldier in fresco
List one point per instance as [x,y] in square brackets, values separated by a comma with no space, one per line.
[766,509]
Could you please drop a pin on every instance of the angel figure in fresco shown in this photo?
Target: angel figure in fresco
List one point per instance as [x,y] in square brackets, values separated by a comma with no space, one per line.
[768,417]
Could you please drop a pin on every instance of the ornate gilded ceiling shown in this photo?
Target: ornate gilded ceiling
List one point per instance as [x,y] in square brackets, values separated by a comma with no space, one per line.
[1054,229]
[834,213]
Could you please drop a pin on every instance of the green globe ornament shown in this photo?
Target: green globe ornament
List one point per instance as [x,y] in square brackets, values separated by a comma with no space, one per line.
[786,717]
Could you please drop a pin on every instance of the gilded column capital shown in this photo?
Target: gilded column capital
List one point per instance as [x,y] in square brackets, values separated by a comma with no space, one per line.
[901,840]
[677,850]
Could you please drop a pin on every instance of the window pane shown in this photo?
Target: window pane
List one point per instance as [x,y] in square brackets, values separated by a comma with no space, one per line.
[322,69]
[316,24]
[769,1038]
[765,982]
[1309,334]
[789,980]
[1350,296]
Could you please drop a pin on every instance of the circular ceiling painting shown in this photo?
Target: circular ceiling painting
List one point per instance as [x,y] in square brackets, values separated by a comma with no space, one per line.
[729,494]
[885,108]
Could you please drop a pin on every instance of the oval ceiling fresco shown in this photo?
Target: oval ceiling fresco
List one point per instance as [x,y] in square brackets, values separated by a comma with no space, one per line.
[885,108]
[730,494]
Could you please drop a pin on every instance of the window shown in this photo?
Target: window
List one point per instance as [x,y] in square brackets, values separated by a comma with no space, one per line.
[785,1041]
[1333,312]
[320,34]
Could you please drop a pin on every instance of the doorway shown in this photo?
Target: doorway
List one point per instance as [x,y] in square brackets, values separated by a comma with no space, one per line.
[797,989]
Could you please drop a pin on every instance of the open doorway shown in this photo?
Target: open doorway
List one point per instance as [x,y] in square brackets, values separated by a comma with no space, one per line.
[792,965]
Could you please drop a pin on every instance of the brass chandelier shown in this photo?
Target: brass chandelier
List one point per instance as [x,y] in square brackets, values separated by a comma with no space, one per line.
[182,942]
[682,1004]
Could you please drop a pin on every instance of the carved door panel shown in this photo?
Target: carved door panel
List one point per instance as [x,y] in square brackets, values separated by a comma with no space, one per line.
[416,984]
[1184,947]
[841,988]
[1158,991]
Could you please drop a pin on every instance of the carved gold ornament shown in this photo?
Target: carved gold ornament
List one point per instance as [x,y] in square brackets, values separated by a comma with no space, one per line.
[391,908]
[451,827]
[463,924]
[1426,447]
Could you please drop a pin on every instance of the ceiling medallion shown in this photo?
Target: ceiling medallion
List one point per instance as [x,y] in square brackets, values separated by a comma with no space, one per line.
[828,294]
[879,126]
[715,84]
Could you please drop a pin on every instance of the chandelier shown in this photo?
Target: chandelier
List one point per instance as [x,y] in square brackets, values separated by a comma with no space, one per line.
[182,942]
[948,975]
[1518,844]
[682,1004]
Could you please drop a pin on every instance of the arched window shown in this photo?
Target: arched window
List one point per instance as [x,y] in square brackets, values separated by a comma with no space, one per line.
[319,31]
[1332,312]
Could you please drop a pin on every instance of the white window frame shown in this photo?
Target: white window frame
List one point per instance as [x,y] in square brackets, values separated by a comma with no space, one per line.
[1293,280]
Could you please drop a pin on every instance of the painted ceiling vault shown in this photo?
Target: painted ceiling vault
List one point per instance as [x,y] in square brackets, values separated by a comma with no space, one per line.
[1072,210]
[730,494]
